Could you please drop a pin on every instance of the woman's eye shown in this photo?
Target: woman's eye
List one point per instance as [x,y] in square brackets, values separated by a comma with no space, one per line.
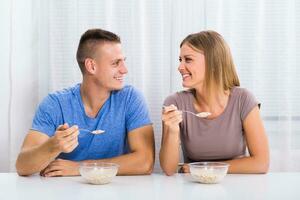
[188,60]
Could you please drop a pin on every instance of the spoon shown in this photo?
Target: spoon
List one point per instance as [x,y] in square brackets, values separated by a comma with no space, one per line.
[200,115]
[95,132]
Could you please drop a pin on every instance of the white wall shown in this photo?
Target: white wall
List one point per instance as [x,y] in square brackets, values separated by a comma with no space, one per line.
[4,83]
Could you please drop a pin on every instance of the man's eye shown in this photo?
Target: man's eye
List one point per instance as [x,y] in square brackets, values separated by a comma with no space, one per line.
[180,59]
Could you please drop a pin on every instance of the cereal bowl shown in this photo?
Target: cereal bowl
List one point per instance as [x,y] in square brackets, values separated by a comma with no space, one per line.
[98,173]
[208,172]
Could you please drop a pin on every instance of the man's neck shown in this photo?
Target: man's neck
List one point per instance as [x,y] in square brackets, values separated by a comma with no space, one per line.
[93,97]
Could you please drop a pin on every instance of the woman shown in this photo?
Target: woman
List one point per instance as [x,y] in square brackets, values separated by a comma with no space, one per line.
[233,123]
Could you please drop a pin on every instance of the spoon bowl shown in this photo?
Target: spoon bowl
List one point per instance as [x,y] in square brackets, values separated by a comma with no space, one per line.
[95,132]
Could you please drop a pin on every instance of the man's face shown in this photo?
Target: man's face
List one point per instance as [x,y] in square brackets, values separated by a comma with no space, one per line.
[110,66]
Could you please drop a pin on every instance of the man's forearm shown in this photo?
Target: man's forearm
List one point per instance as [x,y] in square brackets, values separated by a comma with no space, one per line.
[33,160]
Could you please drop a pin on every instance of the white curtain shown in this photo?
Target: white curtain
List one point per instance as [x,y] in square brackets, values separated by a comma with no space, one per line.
[39,40]
[19,55]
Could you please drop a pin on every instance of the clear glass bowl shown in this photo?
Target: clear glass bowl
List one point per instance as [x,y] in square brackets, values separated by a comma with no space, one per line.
[208,172]
[98,173]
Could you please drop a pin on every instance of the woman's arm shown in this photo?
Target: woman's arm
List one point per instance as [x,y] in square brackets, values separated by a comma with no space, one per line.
[169,152]
[257,143]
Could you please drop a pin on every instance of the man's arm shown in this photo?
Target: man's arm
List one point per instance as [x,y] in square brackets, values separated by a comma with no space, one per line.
[139,161]
[141,158]
[39,150]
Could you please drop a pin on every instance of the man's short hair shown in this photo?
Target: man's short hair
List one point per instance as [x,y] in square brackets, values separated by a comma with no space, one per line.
[88,42]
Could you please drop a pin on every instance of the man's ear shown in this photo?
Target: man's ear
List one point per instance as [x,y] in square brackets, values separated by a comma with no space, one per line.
[90,65]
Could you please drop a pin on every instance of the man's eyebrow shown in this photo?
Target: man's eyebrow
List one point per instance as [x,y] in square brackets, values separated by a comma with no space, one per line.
[118,59]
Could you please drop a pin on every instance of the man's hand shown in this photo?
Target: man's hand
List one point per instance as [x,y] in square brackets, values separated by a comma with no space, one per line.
[65,139]
[61,167]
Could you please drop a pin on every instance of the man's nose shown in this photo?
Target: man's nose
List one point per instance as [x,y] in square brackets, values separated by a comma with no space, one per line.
[123,68]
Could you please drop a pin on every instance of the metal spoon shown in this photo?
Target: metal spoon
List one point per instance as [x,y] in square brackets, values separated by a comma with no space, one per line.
[200,115]
[95,132]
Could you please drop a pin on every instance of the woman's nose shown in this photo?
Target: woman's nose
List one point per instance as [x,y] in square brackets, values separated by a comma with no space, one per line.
[181,66]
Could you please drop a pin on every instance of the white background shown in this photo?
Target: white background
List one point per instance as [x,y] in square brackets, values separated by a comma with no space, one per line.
[38,42]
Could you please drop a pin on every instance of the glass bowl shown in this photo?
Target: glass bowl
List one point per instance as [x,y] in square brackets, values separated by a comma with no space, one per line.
[98,173]
[208,172]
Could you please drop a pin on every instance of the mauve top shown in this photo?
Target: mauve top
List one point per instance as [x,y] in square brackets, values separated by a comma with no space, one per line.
[221,138]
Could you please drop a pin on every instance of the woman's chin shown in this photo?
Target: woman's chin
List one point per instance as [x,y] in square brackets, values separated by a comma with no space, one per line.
[185,85]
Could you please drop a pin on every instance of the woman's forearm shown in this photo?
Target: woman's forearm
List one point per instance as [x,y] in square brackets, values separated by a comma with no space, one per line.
[169,152]
[249,165]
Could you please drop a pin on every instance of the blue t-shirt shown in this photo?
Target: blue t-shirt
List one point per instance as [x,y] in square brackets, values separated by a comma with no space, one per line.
[124,111]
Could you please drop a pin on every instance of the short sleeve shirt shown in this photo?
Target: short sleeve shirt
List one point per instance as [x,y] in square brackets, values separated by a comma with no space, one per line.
[124,111]
[221,138]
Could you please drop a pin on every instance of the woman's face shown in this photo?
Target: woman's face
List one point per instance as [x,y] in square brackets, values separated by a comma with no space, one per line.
[191,67]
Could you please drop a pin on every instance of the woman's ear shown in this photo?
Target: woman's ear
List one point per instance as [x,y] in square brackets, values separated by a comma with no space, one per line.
[90,66]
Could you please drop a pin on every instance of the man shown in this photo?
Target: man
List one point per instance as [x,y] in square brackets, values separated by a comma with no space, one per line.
[56,145]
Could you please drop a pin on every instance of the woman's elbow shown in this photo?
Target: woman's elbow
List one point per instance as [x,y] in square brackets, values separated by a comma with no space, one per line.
[263,167]
[169,172]
[168,168]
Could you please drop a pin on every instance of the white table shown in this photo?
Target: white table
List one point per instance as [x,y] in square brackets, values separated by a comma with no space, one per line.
[156,186]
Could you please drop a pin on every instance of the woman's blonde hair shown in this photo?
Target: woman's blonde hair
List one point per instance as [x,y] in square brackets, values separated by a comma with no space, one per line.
[220,72]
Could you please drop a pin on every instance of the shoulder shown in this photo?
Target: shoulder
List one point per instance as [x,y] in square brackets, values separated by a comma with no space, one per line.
[66,92]
[179,97]
[55,98]
[245,101]
[242,94]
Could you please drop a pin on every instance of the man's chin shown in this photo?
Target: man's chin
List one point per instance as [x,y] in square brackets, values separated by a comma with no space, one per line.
[119,87]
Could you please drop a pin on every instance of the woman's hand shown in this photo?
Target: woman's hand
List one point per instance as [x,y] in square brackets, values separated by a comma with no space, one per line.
[169,152]
[171,116]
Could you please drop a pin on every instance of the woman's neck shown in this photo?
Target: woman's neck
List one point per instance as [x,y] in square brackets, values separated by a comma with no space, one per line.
[216,105]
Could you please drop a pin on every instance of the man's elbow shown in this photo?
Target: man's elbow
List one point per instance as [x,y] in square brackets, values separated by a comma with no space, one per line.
[22,170]
[148,166]
[22,173]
